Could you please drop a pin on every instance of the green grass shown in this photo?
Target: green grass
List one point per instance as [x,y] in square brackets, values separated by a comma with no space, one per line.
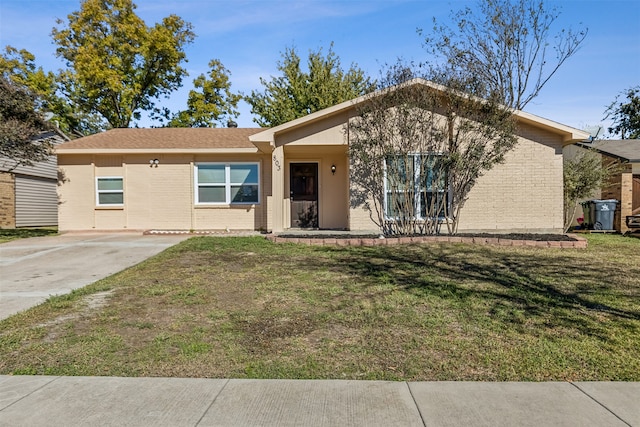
[247,308]
[8,234]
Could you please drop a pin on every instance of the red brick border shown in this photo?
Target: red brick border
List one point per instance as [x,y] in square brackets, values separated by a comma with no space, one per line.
[578,243]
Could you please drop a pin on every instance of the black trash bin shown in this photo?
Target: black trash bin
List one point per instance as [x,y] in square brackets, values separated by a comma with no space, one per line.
[587,208]
[599,214]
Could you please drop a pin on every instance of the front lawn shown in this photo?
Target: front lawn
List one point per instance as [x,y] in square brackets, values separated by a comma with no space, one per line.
[246,308]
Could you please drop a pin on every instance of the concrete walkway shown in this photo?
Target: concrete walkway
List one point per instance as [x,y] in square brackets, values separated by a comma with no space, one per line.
[110,401]
[31,270]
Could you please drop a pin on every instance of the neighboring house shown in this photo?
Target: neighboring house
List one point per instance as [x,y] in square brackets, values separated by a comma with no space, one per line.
[624,186]
[28,194]
[293,175]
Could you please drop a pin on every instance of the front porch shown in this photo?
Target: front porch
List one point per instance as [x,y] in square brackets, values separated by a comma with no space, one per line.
[310,185]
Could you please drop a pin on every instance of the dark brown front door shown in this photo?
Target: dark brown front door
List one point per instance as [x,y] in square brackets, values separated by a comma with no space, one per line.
[304,195]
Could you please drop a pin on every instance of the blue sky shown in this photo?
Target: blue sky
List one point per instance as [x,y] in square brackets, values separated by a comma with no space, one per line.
[248,36]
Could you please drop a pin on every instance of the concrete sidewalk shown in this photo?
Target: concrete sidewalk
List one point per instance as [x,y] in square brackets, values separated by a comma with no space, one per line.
[110,401]
[31,270]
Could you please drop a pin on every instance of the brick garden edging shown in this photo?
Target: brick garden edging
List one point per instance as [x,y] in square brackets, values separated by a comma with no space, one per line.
[578,243]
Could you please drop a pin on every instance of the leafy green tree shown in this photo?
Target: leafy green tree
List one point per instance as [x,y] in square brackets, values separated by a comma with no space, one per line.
[118,66]
[19,66]
[297,93]
[210,101]
[625,114]
[504,45]
[20,125]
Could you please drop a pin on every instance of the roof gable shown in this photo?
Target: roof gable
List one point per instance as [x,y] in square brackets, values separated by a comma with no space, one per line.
[569,134]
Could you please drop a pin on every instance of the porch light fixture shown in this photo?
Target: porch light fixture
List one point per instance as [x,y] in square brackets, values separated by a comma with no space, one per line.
[154,163]
[333,169]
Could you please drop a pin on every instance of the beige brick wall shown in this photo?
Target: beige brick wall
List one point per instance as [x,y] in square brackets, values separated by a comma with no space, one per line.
[154,197]
[523,194]
[360,220]
[76,194]
[7,200]
[158,197]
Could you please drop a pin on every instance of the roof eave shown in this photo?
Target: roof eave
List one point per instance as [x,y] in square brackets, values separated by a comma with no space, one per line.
[252,150]
[569,134]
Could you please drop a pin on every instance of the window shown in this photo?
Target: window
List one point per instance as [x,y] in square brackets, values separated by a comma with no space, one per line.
[227,183]
[415,185]
[109,191]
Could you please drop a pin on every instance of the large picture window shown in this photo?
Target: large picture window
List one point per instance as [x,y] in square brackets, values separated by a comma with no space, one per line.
[415,187]
[109,191]
[227,183]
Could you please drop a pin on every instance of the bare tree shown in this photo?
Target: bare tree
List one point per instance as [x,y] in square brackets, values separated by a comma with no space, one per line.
[417,148]
[505,44]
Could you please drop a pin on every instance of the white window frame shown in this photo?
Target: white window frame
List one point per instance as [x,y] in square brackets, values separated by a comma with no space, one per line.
[417,193]
[227,184]
[98,191]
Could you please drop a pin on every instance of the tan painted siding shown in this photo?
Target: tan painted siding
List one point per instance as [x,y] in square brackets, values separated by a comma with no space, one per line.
[154,197]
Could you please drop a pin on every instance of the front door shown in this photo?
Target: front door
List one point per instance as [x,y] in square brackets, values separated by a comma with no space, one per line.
[304,195]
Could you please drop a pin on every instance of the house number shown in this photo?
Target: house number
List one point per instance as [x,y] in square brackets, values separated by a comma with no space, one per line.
[276,162]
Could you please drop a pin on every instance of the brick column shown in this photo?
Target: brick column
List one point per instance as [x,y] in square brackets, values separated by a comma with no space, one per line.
[7,200]
[626,198]
[621,188]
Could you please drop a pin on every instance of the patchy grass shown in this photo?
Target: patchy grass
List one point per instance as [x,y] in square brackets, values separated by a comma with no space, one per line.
[246,308]
[8,234]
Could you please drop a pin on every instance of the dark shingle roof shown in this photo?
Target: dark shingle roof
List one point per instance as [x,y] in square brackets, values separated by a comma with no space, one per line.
[625,149]
[164,138]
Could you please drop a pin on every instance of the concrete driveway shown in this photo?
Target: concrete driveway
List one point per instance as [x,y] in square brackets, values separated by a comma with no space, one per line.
[33,269]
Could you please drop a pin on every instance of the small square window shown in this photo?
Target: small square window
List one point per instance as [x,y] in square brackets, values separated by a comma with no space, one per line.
[109,191]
